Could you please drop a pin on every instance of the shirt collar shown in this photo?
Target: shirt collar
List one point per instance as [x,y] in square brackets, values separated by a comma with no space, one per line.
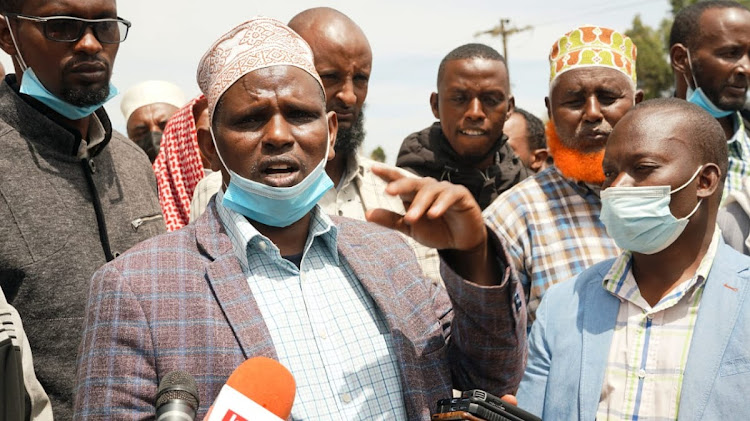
[97,134]
[246,239]
[353,170]
[582,188]
[619,280]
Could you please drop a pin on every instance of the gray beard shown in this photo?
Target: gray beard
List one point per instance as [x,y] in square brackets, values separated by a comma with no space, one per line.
[82,97]
[349,140]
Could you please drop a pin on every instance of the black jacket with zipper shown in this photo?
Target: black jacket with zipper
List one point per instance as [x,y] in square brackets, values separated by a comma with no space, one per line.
[61,218]
[428,153]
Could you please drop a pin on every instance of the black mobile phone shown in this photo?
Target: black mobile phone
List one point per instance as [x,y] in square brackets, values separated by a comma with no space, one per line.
[464,405]
[492,402]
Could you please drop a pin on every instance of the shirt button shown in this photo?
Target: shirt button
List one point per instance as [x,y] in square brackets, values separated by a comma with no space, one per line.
[346,398]
[641,373]
[323,334]
[262,246]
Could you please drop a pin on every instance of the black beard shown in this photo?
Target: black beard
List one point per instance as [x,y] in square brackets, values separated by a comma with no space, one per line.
[82,97]
[349,140]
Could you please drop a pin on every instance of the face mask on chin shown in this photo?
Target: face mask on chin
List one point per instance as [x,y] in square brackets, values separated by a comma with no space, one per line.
[275,206]
[699,98]
[33,87]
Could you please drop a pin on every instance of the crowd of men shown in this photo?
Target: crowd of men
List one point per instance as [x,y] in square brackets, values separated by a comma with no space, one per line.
[589,267]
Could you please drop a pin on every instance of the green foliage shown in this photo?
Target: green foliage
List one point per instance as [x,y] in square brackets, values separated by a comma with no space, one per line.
[378,154]
[652,63]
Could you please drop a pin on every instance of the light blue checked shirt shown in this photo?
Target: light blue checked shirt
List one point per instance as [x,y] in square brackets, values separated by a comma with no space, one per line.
[324,325]
[739,157]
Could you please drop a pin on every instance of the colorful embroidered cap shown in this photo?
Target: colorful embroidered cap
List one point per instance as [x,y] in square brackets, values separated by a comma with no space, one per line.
[256,44]
[590,45]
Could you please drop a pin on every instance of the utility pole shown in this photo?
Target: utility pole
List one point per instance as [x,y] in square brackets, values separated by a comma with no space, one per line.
[504,30]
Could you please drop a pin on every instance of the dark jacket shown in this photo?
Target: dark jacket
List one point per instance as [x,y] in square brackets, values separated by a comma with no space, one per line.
[427,153]
[60,218]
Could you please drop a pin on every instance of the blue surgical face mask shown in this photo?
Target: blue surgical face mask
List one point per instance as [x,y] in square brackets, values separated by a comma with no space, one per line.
[276,206]
[639,218]
[699,98]
[31,86]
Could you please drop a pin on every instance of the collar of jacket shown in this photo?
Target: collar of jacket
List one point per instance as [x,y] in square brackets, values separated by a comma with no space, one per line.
[40,125]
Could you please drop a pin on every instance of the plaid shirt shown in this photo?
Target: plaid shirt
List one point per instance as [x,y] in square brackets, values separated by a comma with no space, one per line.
[739,157]
[324,326]
[649,350]
[552,230]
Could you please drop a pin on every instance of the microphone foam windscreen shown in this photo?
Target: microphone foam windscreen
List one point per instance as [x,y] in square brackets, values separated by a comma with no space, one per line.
[178,385]
[267,383]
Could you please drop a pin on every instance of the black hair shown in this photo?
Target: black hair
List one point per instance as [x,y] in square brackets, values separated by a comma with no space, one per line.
[686,29]
[709,141]
[534,129]
[468,51]
[12,6]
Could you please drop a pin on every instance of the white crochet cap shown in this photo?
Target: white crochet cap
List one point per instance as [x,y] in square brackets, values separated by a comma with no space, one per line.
[151,92]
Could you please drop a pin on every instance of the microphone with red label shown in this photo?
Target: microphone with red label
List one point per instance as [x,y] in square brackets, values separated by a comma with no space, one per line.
[260,389]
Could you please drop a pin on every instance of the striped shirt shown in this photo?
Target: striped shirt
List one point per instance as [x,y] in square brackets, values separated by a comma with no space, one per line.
[551,227]
[324,325]
[649,350]
[739,157]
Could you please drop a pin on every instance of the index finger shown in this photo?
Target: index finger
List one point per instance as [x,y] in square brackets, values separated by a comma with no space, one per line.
[387,173]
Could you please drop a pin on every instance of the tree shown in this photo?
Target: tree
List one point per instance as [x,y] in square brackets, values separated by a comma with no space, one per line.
[378,154]
[652,62]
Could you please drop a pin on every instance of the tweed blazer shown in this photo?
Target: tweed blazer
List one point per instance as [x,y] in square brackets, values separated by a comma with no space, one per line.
[570,340]
[180,301]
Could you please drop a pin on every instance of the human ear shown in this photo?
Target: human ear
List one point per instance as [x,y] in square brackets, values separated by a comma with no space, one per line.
[549,110]
[208,149]
[538,159]
[678,58]
[638,96]
[6,40]
[708,180]
[333,128]
[511,107]
[434,105]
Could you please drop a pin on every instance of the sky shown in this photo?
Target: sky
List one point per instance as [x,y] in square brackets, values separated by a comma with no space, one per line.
[408,39]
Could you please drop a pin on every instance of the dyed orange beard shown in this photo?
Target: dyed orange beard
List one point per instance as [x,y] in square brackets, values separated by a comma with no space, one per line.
[579,166]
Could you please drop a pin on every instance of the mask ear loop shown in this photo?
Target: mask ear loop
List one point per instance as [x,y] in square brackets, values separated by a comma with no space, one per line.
[216,147]
[21,61]
[695,209]
[688,182]
[692,73]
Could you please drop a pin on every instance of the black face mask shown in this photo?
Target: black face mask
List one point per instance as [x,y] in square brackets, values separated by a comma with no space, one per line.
[150,143]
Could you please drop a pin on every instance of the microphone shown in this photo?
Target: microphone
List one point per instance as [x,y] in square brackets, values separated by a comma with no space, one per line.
[177,398]
[260,389]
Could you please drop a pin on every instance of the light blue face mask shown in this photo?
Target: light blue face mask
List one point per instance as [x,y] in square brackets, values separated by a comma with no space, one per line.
[639,219]
[276,206]
[699,98]
[31,86]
